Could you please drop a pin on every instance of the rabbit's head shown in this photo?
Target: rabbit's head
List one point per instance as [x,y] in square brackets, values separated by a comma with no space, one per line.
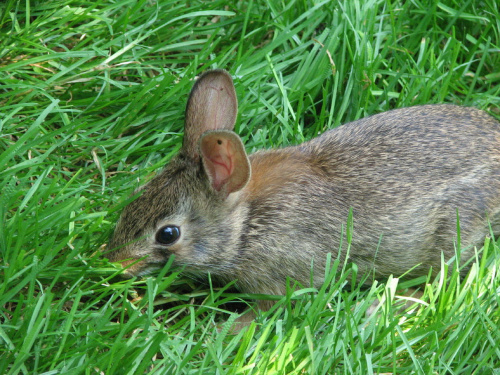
[192,208]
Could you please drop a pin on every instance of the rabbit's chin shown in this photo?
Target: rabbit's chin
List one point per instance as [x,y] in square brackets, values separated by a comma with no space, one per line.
[147,271]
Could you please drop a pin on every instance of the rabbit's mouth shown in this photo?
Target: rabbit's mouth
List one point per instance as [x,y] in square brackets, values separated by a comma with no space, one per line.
[138,267]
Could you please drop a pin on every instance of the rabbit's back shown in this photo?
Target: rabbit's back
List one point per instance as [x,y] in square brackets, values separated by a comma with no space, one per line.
[404,174]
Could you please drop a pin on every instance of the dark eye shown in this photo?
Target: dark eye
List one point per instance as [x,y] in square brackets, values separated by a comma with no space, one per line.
[168,234]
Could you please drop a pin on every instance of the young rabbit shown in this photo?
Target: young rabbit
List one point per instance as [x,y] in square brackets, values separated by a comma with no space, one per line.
[261,218]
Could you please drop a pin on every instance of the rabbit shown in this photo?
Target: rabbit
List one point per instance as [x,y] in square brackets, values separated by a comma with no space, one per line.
[258,219]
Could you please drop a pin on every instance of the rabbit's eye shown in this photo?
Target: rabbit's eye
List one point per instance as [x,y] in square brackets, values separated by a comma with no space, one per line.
[167,235]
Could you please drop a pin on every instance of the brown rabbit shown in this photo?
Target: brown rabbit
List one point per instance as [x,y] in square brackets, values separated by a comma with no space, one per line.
[260,218]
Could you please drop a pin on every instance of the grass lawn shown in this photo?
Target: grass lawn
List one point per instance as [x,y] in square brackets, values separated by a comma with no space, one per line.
[92,97]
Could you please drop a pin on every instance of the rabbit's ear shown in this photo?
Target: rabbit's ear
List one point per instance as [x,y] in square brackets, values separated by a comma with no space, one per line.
[225,160]
[212,105]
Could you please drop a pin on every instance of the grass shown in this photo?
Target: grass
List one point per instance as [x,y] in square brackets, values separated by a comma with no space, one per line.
[92,96]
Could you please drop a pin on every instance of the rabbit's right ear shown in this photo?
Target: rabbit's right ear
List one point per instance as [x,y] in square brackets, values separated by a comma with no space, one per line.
[225,161]
[212,105]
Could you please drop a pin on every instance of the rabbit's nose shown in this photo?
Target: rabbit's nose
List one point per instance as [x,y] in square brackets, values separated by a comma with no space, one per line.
[131,267]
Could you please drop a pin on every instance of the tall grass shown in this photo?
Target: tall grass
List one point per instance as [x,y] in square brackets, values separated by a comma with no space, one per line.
[92,95]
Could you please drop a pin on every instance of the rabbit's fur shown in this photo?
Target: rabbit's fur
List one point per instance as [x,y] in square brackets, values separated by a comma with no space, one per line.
[263,218]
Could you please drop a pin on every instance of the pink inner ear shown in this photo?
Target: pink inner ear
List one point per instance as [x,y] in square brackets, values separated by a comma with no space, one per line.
[220,156]
[225,160]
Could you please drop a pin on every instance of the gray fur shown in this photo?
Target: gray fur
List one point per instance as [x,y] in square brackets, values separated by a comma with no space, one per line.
[404,173]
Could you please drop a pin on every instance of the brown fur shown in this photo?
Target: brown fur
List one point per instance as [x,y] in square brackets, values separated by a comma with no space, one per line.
[404,173]
[272,169]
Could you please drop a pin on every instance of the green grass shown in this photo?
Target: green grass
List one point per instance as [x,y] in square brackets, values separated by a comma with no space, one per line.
[92,95]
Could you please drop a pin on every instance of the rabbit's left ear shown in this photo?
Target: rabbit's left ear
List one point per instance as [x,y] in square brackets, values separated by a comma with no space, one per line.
[225,160]
[212,105]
